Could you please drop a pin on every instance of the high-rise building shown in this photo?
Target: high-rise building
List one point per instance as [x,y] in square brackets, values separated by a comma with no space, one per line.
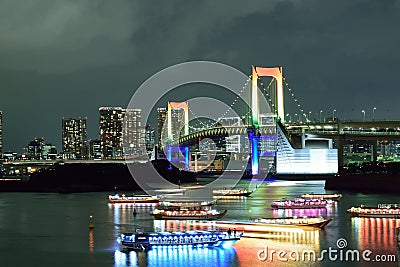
[111,120]
[74,138]
[149,138]
[120,129]
[161,118]
[133,135]
[95,149]
[1,134]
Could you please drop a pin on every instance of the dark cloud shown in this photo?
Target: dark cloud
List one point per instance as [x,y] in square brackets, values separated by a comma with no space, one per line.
[67,58]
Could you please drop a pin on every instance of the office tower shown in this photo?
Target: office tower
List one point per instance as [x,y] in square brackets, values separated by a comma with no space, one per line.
[161,133]
[111,121]
[149,138]
[120,129]
[95,149]
[133,135]
[74,138]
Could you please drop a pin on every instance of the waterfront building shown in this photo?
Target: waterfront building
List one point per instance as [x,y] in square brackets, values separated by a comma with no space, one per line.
[38,149]
[133,133]
[121,133]
[149,138]
[10,155]
[111,120]
[95,149]
[161,118]
[74,138]
[49,151]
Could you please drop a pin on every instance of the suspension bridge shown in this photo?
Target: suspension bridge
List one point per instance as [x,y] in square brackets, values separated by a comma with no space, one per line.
[261,135]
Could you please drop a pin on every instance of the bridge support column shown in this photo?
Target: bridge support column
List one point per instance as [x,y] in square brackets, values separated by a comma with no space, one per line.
[169,153]
[255,157]
[187,158]
[196,168]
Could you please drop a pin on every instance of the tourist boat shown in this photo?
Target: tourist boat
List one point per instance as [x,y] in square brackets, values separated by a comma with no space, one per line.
[382,211]
[145,241]
[188,214]
[133,199]
[335,197]
[232,192]
[185,203]
[302,203]
[187,210]
[318,222]
[260,225]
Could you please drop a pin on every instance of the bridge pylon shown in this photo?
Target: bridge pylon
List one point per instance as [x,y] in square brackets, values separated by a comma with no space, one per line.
[276,73]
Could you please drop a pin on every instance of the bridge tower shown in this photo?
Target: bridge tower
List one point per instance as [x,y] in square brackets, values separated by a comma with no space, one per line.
[253,131]
[276,73]
[175,112]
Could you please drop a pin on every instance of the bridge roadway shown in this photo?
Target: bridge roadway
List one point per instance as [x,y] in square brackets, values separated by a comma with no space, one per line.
[354,130]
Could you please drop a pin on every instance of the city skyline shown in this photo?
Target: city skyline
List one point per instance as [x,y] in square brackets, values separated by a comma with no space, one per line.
[68,59]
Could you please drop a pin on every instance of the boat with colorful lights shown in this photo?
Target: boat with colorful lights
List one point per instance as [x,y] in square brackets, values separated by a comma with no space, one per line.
[133,199]
[335,197]
[152,240]
[382,211]
[231,193]
[188,215]
[302,203]
[187,210]
[262,225]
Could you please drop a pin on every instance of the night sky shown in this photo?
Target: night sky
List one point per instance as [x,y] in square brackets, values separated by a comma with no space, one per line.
[68,58]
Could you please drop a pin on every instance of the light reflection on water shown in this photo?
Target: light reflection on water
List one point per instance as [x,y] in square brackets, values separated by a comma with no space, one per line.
[244,252]
[376,234]
[34,227]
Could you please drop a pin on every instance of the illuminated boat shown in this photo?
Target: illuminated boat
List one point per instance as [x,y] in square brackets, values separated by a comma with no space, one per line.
[133,199]
[187,210]
[232,192]
[144,241]
[183,214]
[267,225]
[335,197]
[302,203]
[185,204]
[318,222]
[382,211]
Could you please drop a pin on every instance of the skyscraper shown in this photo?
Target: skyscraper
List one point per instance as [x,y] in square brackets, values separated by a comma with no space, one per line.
[121,129]
[111,120]
[133,136]
[74,138]
[1,134]
[149,138]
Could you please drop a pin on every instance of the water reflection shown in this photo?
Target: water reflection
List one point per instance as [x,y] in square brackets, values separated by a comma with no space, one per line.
[91,241]
[376,234]
[325,212]
[177,256]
